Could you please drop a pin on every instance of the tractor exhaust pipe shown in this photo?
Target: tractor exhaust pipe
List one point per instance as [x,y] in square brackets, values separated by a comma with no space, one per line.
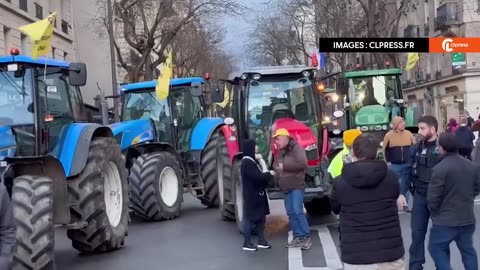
[104,111]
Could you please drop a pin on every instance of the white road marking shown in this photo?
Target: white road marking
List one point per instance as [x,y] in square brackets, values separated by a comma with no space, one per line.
[332,258]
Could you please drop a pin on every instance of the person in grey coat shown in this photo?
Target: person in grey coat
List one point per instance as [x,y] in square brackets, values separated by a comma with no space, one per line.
[7,230]
[451,193]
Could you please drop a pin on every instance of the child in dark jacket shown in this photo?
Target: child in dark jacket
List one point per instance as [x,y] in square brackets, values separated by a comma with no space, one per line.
[255,202]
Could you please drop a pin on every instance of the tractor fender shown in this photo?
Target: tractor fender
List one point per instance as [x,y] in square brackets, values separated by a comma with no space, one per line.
[145,148]
[51,167]
[203,131]
[76,145]
[232,141]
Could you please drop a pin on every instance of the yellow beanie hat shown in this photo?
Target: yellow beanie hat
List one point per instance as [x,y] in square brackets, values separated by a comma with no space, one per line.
[350,135]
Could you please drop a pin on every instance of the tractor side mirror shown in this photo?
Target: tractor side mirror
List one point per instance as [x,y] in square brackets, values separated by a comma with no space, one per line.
[218,94]
[341,86]
[78,74]
[196,89]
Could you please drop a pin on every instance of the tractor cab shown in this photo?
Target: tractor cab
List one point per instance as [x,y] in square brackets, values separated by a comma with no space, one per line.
[374,97]
[38,99]
[174,117]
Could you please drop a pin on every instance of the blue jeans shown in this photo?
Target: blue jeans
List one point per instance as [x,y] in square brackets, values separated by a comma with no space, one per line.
[439,246]
[249,226]
[403,171]
[419,225]
[294,206]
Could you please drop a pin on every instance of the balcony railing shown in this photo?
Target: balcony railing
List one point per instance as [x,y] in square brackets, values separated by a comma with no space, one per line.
[447,16]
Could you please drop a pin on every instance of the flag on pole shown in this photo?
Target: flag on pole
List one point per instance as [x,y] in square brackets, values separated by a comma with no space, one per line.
[163,82]
[41,34]
[322,62]
[412,59]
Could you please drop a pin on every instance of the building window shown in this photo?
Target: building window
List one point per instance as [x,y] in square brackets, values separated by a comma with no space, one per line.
[65,56]
[53,52]
[38,11]
[23,5]
[9,1]
[65,27]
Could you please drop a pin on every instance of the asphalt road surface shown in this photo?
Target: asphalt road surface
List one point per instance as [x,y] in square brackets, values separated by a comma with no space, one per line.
[198,239]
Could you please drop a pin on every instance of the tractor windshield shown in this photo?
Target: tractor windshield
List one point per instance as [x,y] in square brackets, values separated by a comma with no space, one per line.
[379,90]
[271,98]
[16,98]
[145,105]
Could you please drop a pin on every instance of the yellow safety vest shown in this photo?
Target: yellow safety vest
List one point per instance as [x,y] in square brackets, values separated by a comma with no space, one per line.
[335,167]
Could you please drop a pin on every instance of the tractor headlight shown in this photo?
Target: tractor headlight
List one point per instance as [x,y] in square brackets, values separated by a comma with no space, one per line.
[256,76]
[364,128]
[244,76]
[306,73]
[311,147]
[378,128]
[385,127]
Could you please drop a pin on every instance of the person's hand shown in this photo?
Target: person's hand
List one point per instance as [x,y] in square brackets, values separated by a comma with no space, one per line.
[401,202]
[272,172]
[258,156]
[280,166]
[389,164]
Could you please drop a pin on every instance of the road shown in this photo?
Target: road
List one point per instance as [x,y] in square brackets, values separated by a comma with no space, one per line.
[198,239]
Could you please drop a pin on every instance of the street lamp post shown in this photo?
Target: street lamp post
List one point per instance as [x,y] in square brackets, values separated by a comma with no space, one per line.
[112,59]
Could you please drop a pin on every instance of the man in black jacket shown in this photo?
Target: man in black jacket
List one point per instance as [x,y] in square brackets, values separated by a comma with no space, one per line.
[424,157]
[255,202]
[451,202]
[465,138]
[364,196]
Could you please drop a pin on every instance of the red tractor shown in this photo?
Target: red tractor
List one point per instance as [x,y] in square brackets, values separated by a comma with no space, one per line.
[263,100]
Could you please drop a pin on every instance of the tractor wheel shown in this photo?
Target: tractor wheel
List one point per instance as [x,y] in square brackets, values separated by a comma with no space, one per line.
[238,194]
[32,202]
[216,171]
[318,207]
[156,186]
[101,193]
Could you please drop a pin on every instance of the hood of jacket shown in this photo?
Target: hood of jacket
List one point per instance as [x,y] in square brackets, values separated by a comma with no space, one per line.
[364,173]
[249,148]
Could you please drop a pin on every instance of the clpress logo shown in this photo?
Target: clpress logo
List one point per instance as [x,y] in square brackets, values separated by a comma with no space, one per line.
[448,45]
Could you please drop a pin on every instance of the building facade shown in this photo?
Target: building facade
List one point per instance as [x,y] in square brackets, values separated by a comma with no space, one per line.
[446,84]
[16,13]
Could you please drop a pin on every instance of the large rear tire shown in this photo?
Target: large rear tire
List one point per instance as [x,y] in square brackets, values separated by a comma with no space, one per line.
[32,202]
[318,207]
[216,171]
[101,193]
[156,186]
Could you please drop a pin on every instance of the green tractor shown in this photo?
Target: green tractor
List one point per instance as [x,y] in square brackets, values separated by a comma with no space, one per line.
[371,98]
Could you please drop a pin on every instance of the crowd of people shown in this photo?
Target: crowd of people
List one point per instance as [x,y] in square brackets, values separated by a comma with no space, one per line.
[368,194]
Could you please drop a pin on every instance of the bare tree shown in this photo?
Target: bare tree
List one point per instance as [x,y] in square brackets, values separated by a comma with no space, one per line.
[148,28]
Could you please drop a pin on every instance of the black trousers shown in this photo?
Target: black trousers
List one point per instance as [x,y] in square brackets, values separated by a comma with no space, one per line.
[249,226]
[466,152]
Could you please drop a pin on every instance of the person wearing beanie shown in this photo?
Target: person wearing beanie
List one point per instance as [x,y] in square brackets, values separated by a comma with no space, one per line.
[396,149]
[349,136]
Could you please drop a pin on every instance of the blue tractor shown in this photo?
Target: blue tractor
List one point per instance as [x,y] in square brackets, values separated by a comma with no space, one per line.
[171,145]
[58,168]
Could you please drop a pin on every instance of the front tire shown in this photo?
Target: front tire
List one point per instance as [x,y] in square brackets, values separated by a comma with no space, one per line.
[32,202]
[238,195]
[156,186]
[216,171]
[101,193]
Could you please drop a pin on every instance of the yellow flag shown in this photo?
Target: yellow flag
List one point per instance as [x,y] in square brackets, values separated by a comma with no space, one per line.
[226,98]
[163,82]
[41,34]
[412,60]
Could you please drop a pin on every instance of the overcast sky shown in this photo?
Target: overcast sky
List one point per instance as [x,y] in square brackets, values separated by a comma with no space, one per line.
[238,28]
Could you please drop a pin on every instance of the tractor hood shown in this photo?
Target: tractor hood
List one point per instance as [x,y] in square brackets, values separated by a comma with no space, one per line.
[302,135]
[7,142]
[371,115]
